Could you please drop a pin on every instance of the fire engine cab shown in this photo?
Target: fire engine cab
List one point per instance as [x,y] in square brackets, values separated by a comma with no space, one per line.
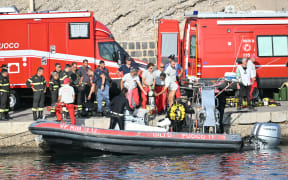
[215,43]
[30,40]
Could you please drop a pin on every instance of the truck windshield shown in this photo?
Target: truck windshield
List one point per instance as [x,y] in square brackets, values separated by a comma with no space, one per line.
[108,50]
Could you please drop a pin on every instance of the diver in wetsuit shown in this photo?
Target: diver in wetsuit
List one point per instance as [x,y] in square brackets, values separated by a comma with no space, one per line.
[221,108]
[118,105]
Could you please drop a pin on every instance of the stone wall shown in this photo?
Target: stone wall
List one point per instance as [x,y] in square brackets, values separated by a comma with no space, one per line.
[142,50]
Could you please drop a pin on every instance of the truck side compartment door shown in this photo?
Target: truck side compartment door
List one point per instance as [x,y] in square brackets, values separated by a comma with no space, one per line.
[189,62]
[38,44]
[58,34]
[245,45]
[13,51]
[168,40]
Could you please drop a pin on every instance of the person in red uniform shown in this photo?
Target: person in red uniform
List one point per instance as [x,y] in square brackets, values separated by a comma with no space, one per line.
[160,85]
[130,81]
[251,63]
[148,83]
[67,96]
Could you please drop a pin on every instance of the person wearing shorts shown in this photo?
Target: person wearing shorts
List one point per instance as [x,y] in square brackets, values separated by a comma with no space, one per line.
[172,72]
[171,86]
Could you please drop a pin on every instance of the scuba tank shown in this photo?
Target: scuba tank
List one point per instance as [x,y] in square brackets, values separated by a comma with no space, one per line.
[151,100]
[151,105]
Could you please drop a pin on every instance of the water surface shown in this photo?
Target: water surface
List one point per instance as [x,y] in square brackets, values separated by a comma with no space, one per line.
[265,164]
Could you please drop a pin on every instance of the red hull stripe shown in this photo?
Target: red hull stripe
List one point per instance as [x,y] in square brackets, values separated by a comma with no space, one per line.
[132,133]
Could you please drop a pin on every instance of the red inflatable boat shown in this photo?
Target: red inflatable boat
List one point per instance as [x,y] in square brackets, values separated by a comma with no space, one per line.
[70,137]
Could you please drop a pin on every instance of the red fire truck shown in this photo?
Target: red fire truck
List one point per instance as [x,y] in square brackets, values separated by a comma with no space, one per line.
[215,43]
[28,41]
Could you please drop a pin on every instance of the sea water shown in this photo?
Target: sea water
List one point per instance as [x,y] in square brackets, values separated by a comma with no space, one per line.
[260,164]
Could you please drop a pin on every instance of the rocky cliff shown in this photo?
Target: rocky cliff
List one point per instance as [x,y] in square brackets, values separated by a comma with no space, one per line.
[132,20]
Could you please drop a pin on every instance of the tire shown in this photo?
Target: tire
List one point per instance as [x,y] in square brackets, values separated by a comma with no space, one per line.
[14,100]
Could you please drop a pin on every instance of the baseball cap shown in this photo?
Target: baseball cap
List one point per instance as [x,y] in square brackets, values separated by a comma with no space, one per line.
[66,80]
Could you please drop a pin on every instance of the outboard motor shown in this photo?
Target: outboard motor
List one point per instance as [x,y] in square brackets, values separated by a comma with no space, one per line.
[267,134]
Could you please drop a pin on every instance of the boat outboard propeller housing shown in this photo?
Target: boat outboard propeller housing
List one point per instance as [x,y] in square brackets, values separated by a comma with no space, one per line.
[267,135]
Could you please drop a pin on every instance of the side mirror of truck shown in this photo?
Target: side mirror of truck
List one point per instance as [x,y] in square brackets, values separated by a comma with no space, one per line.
[119,61]
[115,56]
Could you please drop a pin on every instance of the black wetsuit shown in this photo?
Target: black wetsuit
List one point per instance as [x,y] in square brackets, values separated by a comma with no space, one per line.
[118,105]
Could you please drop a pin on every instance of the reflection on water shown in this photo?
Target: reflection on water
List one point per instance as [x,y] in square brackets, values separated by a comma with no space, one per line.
[268,164]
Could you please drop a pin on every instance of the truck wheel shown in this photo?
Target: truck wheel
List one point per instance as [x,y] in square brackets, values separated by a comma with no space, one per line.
[14,100]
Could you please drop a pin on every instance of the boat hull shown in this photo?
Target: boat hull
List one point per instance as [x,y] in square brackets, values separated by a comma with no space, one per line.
[59,136]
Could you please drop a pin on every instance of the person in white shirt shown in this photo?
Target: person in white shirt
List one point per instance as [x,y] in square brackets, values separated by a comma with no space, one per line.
[148,82]
[171,86]
[251,63]
[130,81]
[67,96]
[177,66]
[160,100]
[172,72]
[244,74]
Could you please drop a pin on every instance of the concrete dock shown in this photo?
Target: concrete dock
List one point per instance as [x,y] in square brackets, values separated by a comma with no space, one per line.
[241,122]
[15,137]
